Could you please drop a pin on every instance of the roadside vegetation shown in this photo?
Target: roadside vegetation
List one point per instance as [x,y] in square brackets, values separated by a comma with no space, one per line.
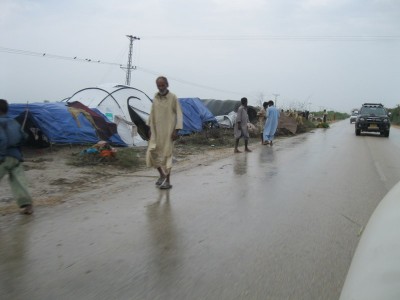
[125,158]
[395,115]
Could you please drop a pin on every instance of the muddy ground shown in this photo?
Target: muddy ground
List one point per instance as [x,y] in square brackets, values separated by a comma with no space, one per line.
[53,181]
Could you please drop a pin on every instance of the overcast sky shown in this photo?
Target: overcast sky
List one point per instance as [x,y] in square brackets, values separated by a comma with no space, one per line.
[333,54]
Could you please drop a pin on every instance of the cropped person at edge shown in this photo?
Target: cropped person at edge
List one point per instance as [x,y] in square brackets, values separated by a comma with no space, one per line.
[11,163]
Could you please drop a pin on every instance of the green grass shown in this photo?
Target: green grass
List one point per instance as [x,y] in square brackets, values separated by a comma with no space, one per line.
[322,125]
[214,137]
[395,115]
[126,158]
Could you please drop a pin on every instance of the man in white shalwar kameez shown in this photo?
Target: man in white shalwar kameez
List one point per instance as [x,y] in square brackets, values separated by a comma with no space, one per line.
[165,121]
[271,124]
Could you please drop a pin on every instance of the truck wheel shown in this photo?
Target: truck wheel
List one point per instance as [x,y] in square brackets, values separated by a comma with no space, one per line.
[358,131]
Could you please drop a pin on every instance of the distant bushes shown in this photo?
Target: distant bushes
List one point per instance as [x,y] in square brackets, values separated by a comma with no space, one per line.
[395,115]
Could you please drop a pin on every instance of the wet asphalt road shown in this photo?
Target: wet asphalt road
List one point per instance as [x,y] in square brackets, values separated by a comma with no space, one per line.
[277,223]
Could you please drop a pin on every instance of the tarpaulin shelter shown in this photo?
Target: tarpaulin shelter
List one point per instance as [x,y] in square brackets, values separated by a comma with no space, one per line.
[126,106]
[63,124]
[195,115]
[221,107]
[222,110]
[130,108]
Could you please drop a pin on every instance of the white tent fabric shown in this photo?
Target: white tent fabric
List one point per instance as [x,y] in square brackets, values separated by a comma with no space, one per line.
[227,121]
[113,100]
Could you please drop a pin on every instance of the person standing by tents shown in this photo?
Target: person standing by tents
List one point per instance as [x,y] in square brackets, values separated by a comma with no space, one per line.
[240,128]
[261,120]
[11,159]
[325,116]
[165,120]
[271,124]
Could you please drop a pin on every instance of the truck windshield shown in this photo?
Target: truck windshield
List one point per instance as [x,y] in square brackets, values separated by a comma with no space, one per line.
[377,111]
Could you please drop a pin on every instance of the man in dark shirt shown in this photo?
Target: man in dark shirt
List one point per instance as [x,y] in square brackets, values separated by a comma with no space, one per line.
[11,161]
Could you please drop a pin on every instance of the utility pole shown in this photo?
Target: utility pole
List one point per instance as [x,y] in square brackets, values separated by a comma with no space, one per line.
[276,96]
[129,66]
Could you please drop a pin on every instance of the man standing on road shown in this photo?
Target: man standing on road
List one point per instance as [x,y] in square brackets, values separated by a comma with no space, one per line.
[240,128]
[261,120]
[271,124]
[324,116]
[165,120]
[11,160]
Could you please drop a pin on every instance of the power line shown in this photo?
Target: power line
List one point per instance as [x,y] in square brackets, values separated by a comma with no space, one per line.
[339,38]
[87,60]
[54,56]
[189,83]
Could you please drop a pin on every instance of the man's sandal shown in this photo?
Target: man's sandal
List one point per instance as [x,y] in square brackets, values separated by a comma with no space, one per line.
[27,209]
[160,181]
[165,186]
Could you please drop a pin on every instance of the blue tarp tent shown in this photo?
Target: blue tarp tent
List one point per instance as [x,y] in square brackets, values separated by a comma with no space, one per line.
[61,124]
[195,114]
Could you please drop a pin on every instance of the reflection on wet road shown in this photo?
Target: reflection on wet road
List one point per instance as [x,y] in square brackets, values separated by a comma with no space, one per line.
[240,164]
[165,253]
[14,259]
